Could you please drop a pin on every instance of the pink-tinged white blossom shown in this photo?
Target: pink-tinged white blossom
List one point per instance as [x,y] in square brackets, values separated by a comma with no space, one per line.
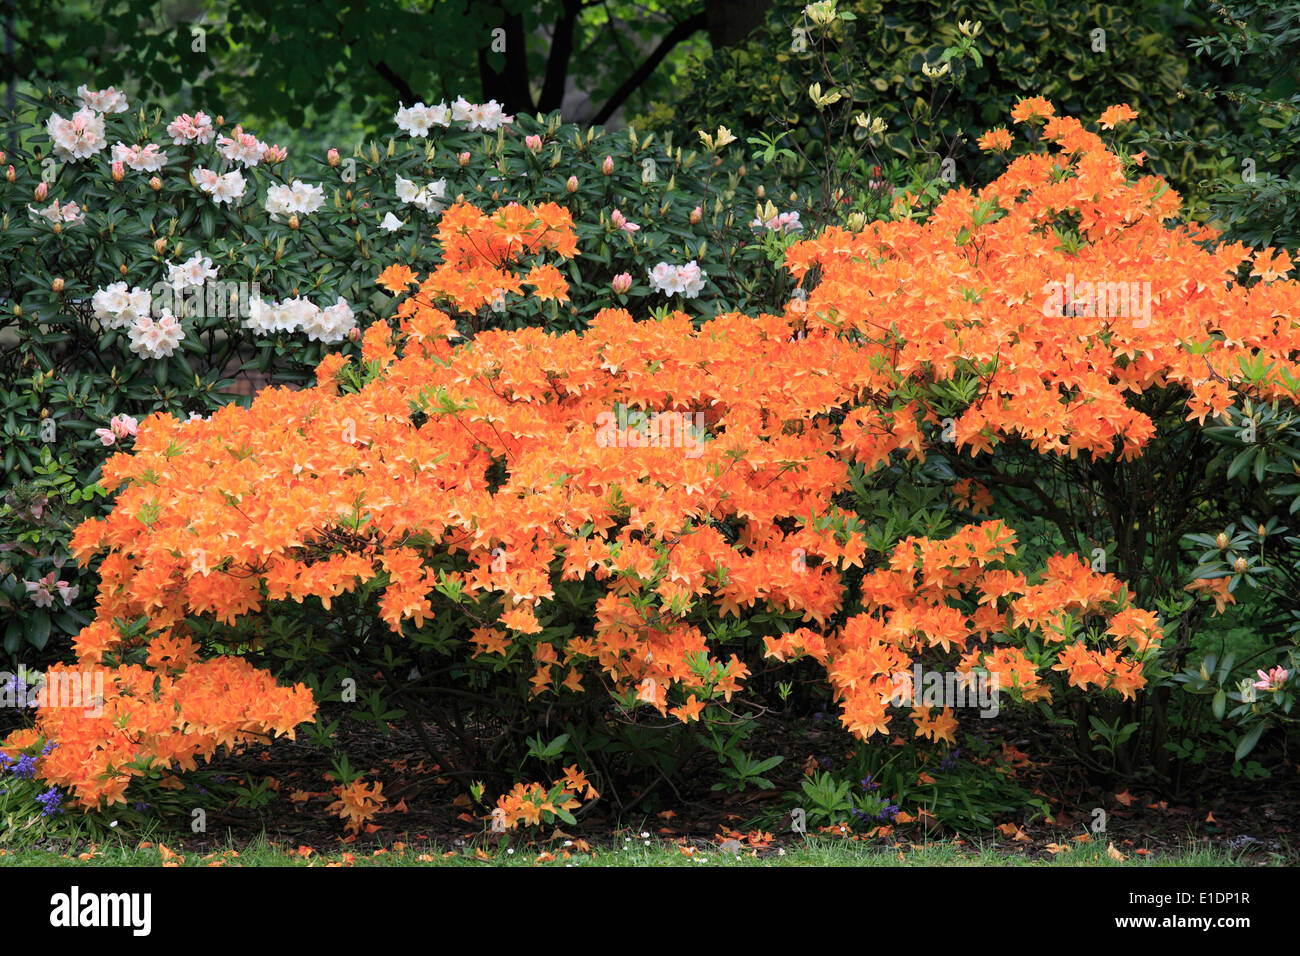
[68,212]
[145,159]
[41,591]
[330,324]
[121,426]
[275,154]
[78,138]
[102,101]
[117,308]
[156,338]
[241,147]
[533,142]
[1272,680]
[391,223]
[487,116]
[687,280]
[620,222]
[296,198]
[191,129]
[192,273]
[783,222]
[417,120]
[221,188]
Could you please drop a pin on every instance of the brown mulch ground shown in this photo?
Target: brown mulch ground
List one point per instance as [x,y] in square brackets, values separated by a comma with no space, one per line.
[1256,819]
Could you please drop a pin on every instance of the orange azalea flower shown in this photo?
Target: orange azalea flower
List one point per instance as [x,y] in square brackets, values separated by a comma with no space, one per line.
[1114,115]
[995,139]
[1031,107]
[396,278]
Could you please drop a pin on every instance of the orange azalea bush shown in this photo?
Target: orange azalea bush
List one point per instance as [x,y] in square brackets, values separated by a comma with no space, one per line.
[579,512]
[469,483]
[1050,298]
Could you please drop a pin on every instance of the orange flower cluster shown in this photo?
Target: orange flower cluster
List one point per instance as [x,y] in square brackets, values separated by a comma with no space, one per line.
[164,715]
[914,608]
[531,804]
[1049,297]
[479,249]
[357,803]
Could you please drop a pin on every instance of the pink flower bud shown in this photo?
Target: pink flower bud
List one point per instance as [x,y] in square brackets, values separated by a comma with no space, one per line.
[534,143]
[332,157]
[57,285]
[10,175]
[622,282]
[354,335]
[3,156]
[607,167]
[42,190]
[696,215]
[119,172]
[155,183]
[572,184]
[463,159]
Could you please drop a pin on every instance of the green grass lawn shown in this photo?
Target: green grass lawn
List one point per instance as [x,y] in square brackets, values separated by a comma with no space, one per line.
[635,851]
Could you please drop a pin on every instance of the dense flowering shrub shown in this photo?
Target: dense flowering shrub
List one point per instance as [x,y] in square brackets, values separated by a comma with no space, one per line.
[562,512]
[168,263]
[1048,297]
[1056,312]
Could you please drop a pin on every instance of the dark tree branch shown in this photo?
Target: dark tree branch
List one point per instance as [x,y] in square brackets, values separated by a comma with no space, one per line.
[557,65]
[510,86]
[675,36]
[404,91]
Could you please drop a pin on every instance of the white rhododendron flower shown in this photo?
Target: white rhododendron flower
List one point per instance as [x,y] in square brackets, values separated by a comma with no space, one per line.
[68,212]
[191,129]
[391,223]
[331,324]
[419,119]
[117,308]
[221,188]
[487,116]
[156,339]
[102,101]
[78,138]
[297,198]
[146,159]
[428,196]
[241,147]
[192,273]
[687,280]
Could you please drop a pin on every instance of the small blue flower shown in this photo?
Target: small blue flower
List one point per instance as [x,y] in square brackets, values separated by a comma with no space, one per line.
[868,784]
[25,767]
[141,806]
[826,762]
[50,800]
[45,751]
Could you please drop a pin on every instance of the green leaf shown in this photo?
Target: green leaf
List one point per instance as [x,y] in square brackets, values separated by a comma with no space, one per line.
[39,633]
[1248,742]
